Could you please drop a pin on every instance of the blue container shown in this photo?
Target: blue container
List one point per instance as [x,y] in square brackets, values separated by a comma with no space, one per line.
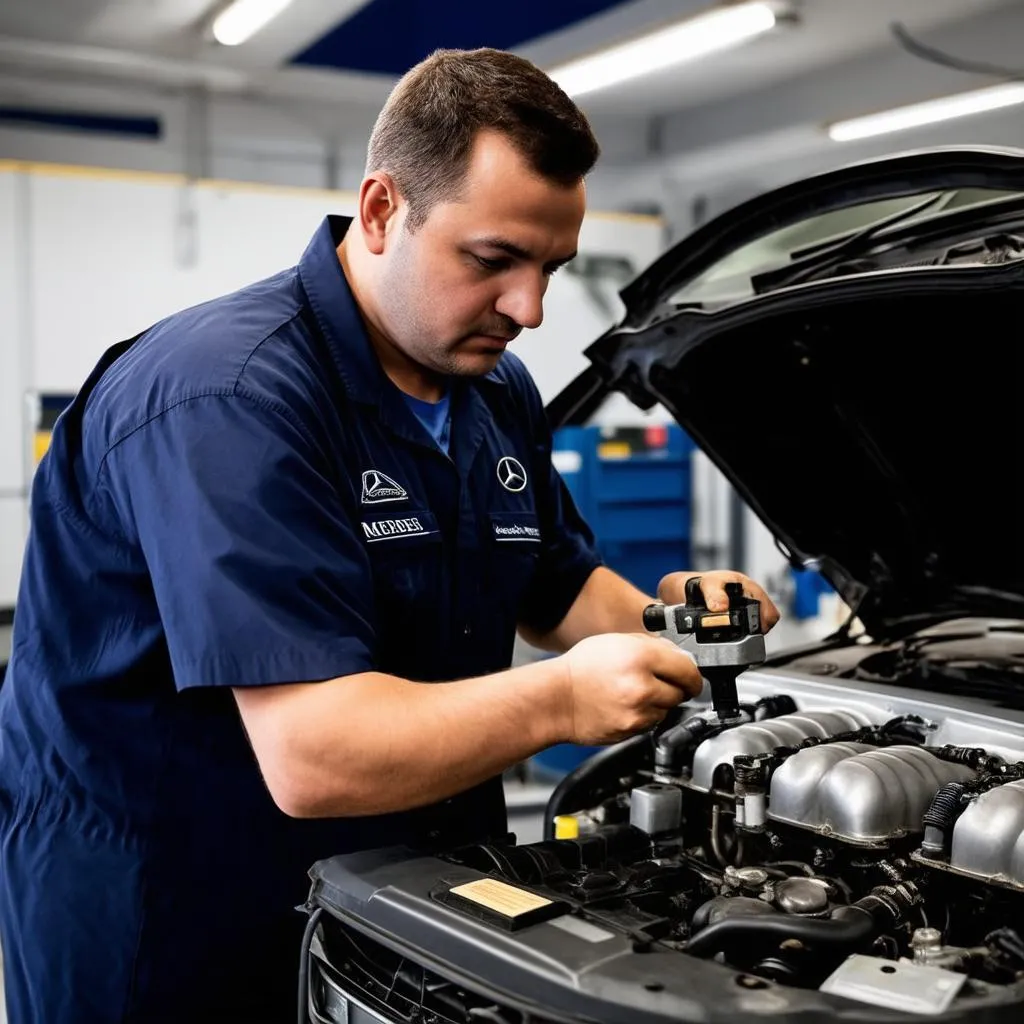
[808,588]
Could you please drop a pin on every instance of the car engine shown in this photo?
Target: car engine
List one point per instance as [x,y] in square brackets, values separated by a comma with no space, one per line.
[843,838]
[784,844]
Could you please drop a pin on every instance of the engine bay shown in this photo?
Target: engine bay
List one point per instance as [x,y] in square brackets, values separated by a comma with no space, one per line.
[785,844]
[854,841]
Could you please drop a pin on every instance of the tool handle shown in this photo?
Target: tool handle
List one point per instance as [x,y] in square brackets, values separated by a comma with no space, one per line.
[655,618]
[693,594]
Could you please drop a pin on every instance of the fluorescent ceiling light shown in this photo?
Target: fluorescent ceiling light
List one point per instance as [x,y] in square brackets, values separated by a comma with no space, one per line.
[243,18]
[977,101]
[717,29]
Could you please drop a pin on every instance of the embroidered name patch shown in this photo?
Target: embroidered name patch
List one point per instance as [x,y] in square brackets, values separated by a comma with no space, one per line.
[391,529]
[510,531]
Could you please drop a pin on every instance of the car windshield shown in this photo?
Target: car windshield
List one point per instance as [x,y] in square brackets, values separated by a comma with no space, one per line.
[730,278]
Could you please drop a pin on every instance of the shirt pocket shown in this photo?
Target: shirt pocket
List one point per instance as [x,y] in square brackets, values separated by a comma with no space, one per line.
[405,553]
[515,556]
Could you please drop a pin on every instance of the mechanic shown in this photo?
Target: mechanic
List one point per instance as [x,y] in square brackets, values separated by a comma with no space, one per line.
[262,526]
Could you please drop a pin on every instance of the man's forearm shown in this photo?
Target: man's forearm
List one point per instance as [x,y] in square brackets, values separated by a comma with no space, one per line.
[373,743]
[606,604]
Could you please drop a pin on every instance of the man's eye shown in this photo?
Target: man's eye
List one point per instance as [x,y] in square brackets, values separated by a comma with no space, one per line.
[491,264]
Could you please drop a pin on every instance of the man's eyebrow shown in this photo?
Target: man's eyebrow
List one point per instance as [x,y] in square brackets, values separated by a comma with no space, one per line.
[519,252]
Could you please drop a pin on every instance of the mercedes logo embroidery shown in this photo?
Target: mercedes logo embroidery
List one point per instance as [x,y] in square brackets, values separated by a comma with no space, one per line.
[511,474]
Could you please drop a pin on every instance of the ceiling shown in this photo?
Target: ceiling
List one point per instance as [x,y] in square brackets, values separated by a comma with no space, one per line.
[344,50]
[414,28]
[318,73]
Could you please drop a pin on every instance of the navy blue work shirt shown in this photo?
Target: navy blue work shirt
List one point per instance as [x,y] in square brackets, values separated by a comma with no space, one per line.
[240,497]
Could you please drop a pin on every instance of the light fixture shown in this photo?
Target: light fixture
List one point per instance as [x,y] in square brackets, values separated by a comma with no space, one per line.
[977,101]
[243,18]
[714,30]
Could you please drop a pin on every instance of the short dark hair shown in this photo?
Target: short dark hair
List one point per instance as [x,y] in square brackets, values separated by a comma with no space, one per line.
[425,132]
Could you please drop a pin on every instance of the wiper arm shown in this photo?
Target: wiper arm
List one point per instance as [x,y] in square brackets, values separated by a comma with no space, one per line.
[814,258]
[990,595]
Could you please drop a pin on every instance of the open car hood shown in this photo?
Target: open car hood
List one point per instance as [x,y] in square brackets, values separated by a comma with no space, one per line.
[863,393]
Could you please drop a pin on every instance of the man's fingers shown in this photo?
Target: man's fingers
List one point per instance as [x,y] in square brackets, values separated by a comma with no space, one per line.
[667,695]
[672,588]
[712,586]
[769,613]
[676,667]
[713,589]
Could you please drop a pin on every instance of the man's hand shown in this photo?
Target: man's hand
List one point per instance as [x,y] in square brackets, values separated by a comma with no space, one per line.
[619,684]
[672,590]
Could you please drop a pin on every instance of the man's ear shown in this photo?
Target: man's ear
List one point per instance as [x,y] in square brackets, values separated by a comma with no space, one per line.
[379,203]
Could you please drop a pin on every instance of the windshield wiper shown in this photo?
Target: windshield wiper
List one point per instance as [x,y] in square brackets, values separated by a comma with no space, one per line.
[815,258]
[990,596]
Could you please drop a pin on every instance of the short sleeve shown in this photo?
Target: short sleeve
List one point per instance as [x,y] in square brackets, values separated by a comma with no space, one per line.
[256,569]
[568,552]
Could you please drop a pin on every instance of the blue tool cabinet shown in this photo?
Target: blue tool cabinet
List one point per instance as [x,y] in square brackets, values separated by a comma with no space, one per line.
[632,485]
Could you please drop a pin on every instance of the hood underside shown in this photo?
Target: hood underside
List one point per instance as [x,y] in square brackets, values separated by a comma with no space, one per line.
[870,413]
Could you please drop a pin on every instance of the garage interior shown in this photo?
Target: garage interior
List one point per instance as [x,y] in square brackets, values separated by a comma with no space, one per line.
[147,165]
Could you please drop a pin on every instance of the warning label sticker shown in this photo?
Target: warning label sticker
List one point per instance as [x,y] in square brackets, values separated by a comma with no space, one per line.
[500,897]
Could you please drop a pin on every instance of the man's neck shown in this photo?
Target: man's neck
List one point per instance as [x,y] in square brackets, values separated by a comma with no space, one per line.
[405,373]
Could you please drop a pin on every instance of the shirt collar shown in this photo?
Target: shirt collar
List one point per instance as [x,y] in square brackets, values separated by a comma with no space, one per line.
[334,306]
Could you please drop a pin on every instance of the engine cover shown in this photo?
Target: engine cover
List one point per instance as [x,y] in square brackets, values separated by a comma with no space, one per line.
[859,793]
[988,838]
[763,737]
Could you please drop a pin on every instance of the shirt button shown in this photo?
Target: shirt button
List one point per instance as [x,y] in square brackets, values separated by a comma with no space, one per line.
[467,630]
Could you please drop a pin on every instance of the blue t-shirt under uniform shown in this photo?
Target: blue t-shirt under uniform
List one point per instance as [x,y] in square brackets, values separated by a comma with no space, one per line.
[240,497]
[435,417]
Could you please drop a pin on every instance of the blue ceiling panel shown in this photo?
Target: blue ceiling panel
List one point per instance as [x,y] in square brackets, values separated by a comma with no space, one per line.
[389,36]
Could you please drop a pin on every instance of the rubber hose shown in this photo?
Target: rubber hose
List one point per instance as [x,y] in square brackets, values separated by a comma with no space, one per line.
[848,927]
[774,707]
[944,806]
[675,744]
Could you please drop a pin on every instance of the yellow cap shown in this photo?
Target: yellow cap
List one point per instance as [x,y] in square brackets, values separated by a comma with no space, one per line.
[566,826]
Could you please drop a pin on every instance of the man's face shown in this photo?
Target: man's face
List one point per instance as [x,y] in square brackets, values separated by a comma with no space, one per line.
[454,292]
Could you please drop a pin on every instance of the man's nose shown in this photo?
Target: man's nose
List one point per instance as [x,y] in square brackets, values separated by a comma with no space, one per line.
[523,302]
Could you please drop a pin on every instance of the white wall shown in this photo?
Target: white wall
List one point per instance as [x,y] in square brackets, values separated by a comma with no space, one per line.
[13,374]
[11,328]
[89,257]
[111,254]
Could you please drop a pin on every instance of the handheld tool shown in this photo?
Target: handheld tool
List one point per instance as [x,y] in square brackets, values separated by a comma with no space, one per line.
[724,644]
